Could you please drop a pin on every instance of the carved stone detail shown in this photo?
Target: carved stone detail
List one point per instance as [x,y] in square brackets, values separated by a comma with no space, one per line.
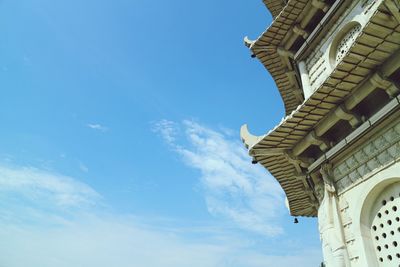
[374,154]
[348,230]
[330,222]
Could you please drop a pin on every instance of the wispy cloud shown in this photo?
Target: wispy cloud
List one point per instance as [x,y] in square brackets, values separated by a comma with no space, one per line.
[83,167]
[106,241]
[97,127]
[48,235]
[234,188]
[36,184]
[168,130]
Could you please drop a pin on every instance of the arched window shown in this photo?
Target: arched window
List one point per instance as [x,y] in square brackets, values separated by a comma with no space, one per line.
[384,218]
[343,42]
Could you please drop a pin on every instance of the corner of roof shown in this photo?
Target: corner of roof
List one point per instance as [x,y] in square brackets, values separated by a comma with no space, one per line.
[248,139]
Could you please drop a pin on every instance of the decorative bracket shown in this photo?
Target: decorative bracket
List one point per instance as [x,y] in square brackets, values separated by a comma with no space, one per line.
[300,31]
[382,82]
[323,144]
[284,52]
[342,113]
[326,172]
[320,5]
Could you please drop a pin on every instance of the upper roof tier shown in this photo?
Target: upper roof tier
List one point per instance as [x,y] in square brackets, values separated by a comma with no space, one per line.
[276,47]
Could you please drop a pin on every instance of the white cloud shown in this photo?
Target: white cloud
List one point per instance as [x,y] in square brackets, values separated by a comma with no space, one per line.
[36,229]
[167,129]
[35,184]
[235,189]
[106,241]
[98,127]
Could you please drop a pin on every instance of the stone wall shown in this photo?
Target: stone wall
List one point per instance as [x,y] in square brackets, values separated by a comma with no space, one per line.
[378,152]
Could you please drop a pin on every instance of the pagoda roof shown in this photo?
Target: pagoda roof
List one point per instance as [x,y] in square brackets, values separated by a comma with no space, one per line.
[275,6]
[272,48]
[276,150]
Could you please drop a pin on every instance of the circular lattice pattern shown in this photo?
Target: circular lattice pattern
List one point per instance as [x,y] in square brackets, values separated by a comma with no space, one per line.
[347,41]
[385,227]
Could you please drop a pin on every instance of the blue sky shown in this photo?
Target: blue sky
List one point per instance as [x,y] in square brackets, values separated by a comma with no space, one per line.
[120,143]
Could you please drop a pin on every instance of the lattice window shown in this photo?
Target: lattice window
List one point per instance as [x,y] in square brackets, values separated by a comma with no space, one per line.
[385,228]
[347,41]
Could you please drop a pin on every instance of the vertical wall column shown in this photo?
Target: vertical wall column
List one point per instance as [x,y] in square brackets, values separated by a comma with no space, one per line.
[305,79]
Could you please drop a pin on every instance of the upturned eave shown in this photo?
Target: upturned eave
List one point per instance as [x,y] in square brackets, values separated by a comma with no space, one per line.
[274,48]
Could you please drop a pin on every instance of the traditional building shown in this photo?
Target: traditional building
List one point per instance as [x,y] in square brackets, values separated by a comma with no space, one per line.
[336,154]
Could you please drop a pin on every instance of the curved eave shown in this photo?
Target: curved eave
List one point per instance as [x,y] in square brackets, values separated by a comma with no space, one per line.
[284,78]
[362,59]
[300,198]
[266,46]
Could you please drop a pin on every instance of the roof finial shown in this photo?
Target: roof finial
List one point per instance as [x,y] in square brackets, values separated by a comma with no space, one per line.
[247,138]
[249,43]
